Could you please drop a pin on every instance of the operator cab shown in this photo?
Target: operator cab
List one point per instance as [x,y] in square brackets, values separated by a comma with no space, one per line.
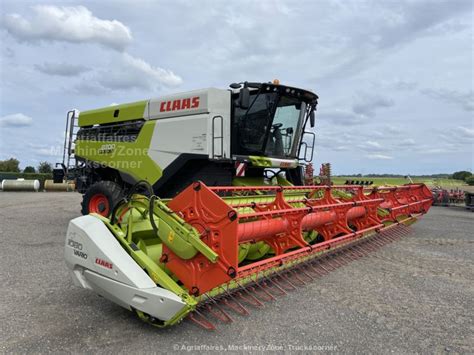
[268,119]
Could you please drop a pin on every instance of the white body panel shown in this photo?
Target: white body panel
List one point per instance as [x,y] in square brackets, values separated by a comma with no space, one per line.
[203,129]
[178,135]
[98,262]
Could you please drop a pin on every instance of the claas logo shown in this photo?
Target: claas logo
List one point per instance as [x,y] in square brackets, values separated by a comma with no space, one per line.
[180,104]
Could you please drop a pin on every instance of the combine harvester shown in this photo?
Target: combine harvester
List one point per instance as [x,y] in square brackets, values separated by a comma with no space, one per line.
[234,226]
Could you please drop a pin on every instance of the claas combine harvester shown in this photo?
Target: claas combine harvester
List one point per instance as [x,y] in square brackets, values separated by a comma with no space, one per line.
[195,205]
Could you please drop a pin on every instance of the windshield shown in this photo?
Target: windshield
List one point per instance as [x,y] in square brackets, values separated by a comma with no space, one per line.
[269,127]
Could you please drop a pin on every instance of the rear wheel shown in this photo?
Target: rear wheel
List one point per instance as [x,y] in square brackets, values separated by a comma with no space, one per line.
[101,198]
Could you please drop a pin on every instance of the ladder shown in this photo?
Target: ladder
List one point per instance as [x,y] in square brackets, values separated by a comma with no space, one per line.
[69,161]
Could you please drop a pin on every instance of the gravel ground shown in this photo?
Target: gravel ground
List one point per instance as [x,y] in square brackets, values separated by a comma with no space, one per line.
[413,296]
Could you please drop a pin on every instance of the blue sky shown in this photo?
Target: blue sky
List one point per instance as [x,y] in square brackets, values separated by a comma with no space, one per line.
[395,78]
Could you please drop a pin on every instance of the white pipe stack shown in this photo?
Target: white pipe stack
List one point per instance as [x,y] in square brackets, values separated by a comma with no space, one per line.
[50,185]
[20,185]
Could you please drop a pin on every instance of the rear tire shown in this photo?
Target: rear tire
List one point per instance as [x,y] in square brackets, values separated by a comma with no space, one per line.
[101,198]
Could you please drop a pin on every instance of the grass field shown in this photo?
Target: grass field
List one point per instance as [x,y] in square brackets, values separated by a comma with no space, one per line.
[446,183]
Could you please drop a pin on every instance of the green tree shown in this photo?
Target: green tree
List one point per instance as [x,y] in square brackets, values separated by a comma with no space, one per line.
[29,169]
[461,175]
[45,168]
[11,165]
[470,180]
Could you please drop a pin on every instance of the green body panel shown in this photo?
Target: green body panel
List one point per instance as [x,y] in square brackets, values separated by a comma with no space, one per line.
[174,232]
[249,181]
[282,181]
[266,162]
[180,237]
[126,112]
[263,162]
[129,157]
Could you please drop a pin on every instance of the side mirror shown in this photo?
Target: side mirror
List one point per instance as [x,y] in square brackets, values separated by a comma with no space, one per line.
[312,119]
[244,98]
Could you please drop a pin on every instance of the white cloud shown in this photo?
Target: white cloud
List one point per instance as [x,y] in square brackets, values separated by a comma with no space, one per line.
[457,138]
[75,24]
[53,151]
[367,105]
[131,72]
[379,156]
[15,120]
[45,150]
[464,99]
[407,142]
[373,144]
[341,117]
[465,131]
[400,84]
[362,111]
[61,69]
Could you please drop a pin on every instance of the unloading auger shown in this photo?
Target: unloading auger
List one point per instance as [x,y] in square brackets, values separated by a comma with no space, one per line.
[211,251]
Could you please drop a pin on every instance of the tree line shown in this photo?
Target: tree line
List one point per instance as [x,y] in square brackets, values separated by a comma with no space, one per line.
[12,165]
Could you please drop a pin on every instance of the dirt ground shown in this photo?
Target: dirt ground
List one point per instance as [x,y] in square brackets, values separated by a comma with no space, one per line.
[413,296]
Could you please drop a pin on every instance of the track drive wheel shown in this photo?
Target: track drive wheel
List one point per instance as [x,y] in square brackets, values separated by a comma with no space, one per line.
[101,198]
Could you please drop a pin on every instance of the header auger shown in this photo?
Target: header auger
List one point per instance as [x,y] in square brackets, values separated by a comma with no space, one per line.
[196,203]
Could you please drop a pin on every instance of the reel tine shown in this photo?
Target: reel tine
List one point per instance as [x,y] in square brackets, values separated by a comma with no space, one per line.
[262,289]
[329,263]
[389,235]
[407,229]
[287,281]
[376,245]
[371,246]
[355,252]
[292,287]
[254,301]
[401,231]
[306,274]
[385,238]
[404,230]
[233,304]
[351,254]
[334,259]
[221,314]
[296,276]
[393,235]
[397,232]
[236,306]
[276,285]
[322,266]
[377,242]
[345,258]
[385,241]
[201,320]
[318,272]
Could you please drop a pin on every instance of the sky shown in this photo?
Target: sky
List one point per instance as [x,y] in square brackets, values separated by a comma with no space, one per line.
[395,78]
